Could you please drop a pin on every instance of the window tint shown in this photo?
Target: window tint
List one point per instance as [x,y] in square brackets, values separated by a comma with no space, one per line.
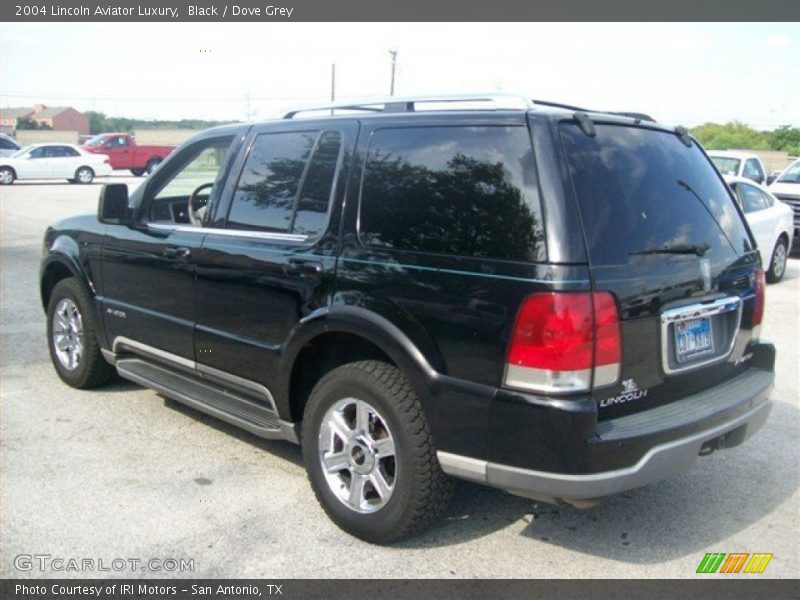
[753,199]
[753,171]
[267,188]
[792,174]
[312,205]
[61,151]
[39,152]
[6,144]
[640,189]
[459,190]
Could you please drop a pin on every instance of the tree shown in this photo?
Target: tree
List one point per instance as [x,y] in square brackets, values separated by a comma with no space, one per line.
[732,134]
[785,138]
[28,123]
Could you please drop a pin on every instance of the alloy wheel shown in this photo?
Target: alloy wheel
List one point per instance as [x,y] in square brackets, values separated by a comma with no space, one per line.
[68,334]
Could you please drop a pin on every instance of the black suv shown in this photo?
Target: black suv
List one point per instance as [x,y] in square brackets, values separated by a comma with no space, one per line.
[560,303]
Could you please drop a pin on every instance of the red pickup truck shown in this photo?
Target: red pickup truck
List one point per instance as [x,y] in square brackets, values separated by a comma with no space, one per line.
[124,153]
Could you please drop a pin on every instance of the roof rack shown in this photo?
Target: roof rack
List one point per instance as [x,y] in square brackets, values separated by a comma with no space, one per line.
[409,104]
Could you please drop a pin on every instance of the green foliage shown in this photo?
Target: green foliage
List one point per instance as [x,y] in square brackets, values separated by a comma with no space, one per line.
[730,135]
[785,138]
[100,123]
[28,123]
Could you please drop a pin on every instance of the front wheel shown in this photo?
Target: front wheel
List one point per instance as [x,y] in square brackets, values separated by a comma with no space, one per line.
[777,266]
[369,453]
[72,337]
[84,175]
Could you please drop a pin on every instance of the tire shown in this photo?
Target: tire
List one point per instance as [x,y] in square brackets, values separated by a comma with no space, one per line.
[152,164]
[414,488]
[137,172]
[84,175]
[84,367]
[7,176]
[777,265]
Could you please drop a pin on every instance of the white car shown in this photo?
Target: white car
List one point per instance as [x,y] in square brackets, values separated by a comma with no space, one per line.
[770,220]
[786,188]
[739,164]
[53,161]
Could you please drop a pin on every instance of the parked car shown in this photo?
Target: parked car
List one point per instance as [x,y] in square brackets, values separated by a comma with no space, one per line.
[125,153]
[771,222]
[53,161]
[416,294]
[786,188]
[739,164]
[8,145]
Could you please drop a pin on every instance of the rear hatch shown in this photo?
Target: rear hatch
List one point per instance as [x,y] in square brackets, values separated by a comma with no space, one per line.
[663,236]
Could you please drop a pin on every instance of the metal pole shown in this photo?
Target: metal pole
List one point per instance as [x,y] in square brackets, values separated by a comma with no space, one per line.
[333,85]
[393,52]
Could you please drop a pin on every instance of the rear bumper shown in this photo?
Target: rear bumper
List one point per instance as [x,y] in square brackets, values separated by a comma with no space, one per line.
[662,442]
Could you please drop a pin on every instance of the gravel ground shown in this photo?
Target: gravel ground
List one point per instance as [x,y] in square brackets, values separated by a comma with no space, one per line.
[123,473]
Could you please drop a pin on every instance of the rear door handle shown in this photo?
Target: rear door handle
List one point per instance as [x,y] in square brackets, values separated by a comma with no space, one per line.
[303,267]
[177,252]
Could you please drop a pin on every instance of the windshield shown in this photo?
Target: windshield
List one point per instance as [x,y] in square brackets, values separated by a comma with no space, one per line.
[726,164]
[640,189]
[96,140]
[792,174]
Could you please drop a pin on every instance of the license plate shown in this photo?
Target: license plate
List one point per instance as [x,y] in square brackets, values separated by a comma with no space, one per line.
[693,338]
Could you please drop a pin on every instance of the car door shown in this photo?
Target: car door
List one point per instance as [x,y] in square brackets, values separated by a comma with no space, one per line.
[149,269]
[755,204]
[273,260]
[753,170]
[118,150]
[35,164]
[62,162]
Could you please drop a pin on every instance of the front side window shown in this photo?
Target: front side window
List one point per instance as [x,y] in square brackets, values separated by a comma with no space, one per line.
[286,183]
[456,190]
[40,152]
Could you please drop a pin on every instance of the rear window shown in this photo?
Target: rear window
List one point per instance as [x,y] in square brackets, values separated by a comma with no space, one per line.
[452,190]
[726,164]
[640,189]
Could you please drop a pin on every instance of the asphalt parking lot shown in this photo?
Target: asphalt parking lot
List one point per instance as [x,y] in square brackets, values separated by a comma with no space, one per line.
[123,473]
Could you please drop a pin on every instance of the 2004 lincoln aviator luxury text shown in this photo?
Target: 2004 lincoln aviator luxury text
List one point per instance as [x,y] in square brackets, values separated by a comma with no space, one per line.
[558,302]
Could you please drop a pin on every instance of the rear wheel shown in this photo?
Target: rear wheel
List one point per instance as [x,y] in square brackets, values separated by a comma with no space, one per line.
[84,175]
[7,176]
[369,454]
[72,337]
[152,164]
[137,172]
[777,266]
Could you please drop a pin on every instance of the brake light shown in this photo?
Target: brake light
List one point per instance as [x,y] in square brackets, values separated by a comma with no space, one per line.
[563,339]
[758,306]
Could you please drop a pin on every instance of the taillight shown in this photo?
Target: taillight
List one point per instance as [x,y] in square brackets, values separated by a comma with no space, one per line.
[758,306]
[562,339]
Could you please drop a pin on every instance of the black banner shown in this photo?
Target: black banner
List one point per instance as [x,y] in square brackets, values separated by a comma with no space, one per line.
[385,589]
[408,10]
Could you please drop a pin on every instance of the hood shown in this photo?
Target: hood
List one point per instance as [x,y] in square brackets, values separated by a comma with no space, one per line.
[782,187]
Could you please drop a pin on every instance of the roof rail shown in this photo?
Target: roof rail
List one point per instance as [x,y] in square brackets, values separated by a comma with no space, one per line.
[409,104]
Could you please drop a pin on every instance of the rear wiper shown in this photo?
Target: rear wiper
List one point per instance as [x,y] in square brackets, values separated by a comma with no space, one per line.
[698,249]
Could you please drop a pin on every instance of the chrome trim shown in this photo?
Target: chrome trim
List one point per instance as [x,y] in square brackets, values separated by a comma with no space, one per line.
[260,235]
[695,311]
[124,342]
[222,376]
[465,467]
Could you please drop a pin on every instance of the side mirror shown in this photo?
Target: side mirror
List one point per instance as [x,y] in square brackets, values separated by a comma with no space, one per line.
[112,207]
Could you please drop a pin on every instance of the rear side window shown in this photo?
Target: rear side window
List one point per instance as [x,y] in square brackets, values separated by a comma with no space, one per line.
[753,199]
[641,189]
[280,189]
[455,190]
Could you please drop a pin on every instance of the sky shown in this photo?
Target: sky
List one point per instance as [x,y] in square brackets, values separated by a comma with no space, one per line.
[680,73]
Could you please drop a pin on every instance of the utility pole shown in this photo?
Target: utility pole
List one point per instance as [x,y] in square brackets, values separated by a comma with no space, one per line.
[393,52]
[333,85]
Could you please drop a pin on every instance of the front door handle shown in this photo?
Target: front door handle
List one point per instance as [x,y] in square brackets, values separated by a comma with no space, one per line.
[177,252]
[303,267]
